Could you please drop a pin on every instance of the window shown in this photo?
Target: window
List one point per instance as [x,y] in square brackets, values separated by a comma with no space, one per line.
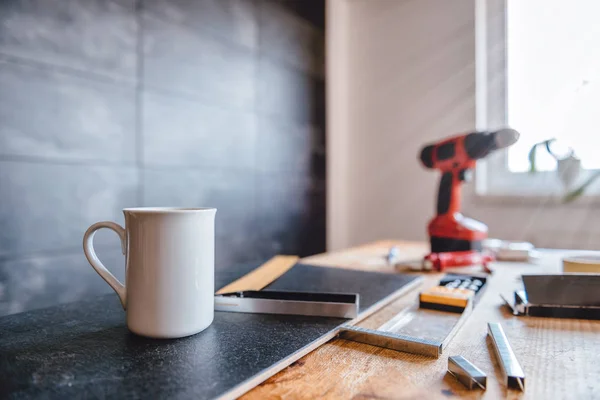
[542,77]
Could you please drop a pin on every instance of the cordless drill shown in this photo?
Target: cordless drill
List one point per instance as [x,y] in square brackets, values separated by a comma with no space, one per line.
[449,230]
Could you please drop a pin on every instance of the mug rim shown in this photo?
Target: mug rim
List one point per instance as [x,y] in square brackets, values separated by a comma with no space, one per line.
[166,210]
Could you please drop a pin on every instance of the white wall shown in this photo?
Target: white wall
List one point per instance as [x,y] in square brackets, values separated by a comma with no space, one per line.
[401,73]
[338,123]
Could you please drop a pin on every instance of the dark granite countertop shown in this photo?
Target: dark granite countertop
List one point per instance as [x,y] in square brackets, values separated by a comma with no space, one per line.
[84,350]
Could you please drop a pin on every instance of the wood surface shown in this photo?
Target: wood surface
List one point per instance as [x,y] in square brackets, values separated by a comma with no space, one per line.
[261,276]
[269,272]
[560,357]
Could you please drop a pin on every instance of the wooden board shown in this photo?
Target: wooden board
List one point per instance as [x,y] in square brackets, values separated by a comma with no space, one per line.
[261,276]
[375,291]
[560,357]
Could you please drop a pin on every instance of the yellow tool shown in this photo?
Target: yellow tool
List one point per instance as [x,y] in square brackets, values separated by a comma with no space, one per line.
[453,294]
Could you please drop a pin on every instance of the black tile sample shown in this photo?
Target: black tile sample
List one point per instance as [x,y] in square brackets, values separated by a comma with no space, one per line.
[48,207]
[184,132]
[98,36]
[84,348]
[372,286]
[54,115]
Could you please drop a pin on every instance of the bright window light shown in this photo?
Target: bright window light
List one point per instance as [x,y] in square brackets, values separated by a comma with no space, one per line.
[553,56]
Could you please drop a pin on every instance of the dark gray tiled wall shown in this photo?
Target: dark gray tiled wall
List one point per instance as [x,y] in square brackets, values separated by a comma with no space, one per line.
[47,206]
[184,132]
[106,104]
[287,39]
[97,36]
[189,61]
[52,114]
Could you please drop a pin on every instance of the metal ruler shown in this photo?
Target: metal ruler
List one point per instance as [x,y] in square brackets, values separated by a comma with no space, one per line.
[338,305]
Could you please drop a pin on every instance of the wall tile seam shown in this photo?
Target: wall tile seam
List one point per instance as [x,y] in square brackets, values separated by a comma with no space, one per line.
[53,253]
[114,80]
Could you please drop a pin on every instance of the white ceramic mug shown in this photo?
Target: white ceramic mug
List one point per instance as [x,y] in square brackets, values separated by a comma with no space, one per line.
[169,273]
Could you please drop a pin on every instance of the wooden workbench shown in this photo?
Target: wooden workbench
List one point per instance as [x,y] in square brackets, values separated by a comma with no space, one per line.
[561,358]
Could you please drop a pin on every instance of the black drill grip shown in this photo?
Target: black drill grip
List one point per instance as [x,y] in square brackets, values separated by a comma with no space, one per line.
[444,193]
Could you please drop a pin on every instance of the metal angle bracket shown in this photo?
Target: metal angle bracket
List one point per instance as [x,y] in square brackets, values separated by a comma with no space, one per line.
[392,341]
[397,341]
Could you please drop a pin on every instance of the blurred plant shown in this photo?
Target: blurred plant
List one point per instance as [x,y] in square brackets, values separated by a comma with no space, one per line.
[568,167]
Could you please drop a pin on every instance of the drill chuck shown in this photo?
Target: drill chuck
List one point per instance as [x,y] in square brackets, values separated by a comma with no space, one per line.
[505,137]
[475,146]
[480,144]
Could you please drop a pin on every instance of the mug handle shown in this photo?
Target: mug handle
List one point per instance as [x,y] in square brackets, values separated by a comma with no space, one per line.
[90,254]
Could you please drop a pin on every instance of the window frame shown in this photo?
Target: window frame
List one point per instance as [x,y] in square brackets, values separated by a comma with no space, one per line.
[493,178]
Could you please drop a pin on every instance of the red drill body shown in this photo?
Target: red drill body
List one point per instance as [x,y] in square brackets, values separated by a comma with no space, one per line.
[455,157]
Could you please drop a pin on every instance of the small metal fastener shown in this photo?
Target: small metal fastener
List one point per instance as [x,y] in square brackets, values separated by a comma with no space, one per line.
[466,372]
[514,377]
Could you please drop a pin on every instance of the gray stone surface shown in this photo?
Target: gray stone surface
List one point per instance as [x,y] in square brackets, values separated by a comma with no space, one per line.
[97,36]
[84,349]
[292,202]
[285,146]
[185,132]
[188,61]
[231,192]
[49,114]
[232,20]
[291,40]
[285,92]
[48,207]
[37,281]
[106,104]
[282,202]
